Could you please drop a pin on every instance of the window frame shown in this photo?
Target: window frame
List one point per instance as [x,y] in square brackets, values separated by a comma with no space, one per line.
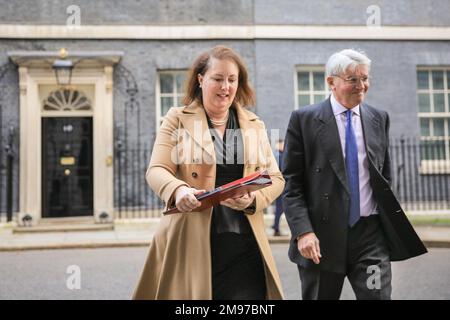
[159,95]
[310,69]
[435,166]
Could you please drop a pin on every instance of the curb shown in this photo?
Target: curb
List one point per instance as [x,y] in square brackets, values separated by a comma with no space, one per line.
[431,237]
[81,245]
[104,244]
[436,243]
[145,243]
[278,240]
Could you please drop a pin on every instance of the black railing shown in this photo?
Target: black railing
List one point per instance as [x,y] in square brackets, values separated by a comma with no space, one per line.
[7,163]
[421,173]
[420,178]
[134,199]
[8,150]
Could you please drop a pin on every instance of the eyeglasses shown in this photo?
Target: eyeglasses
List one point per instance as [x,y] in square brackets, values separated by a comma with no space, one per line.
[355,80]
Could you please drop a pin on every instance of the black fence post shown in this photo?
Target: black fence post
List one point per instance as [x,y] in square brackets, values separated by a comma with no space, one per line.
[403,165]
[9,179]
[421,176]
[118,163]
[419,180]
[416,173]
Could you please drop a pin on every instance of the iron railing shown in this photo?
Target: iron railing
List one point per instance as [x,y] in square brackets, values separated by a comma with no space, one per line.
[133,197]
[8,147]
[420,178]
[421,173]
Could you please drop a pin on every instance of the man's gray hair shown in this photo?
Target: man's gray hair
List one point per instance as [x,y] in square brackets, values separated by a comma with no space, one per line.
[339,62]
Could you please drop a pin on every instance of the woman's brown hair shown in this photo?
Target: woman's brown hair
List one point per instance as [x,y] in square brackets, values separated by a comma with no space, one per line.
[245,95]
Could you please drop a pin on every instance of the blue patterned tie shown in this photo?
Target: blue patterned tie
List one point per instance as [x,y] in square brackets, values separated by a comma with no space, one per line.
[351,164]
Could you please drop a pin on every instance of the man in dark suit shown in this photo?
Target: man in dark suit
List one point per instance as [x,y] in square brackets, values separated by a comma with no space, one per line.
[343,215]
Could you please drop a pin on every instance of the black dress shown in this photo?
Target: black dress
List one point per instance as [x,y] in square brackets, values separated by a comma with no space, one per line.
[237,266]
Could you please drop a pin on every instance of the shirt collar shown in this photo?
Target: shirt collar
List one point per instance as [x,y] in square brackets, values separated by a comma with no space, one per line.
[339,108]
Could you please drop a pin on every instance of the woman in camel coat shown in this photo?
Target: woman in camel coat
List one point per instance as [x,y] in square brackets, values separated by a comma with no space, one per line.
[220,253]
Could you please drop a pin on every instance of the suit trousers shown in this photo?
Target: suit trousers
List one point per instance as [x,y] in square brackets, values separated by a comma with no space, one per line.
[368,267]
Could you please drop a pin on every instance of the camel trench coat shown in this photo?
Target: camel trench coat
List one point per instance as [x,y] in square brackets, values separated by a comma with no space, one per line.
[178,264]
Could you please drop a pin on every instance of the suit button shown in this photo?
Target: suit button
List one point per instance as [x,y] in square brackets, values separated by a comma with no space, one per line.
[318,169]
[325,195]
[194,174]
[387,189]
[257,169]
[325,219]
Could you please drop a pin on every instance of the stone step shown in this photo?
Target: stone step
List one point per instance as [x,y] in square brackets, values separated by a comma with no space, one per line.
[67,220]
[64,228]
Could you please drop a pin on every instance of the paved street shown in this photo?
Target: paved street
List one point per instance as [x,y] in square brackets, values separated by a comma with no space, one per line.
[112,274]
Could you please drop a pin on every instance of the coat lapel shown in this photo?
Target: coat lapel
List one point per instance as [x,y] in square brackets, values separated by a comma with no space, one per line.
[246,122]
[330,141]
[194,121]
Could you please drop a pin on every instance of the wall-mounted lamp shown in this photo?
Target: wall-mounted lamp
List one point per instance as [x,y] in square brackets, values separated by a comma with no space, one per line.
[63,69]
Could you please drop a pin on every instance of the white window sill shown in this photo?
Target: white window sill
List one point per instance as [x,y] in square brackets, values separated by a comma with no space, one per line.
[434,167]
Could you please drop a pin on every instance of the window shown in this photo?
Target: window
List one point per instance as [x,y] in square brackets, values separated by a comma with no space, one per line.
[433,93]
[310,86]
[169,89]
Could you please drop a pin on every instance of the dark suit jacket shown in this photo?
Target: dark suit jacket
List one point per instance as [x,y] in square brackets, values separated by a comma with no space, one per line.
[316,196]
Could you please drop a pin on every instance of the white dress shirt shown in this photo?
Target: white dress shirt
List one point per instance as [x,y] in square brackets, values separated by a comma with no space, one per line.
[366,200]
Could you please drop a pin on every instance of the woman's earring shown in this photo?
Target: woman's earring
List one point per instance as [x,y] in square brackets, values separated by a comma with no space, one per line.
[200,85]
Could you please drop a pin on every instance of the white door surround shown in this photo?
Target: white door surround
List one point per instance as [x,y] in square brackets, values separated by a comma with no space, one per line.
[36,76]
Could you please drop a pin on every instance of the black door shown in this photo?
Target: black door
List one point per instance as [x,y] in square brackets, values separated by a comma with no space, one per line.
[67,174]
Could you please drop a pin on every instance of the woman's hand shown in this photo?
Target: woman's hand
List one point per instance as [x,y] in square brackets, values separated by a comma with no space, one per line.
[185,199]
[239,203]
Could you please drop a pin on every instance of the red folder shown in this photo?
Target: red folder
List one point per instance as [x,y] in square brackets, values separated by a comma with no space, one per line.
[234,189]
